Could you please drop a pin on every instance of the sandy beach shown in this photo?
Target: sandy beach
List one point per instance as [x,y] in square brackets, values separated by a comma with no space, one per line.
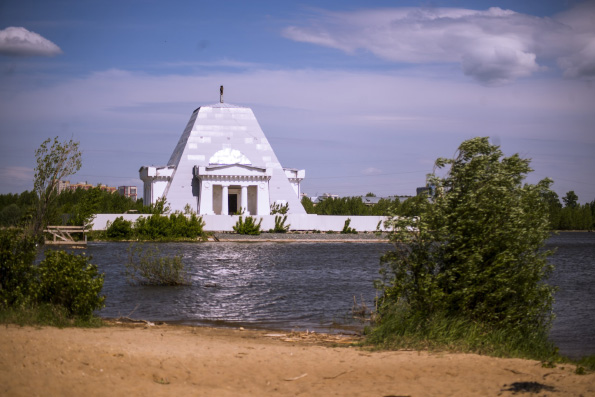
[160,360]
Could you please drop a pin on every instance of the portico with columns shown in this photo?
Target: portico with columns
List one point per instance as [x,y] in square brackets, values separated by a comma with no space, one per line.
[229,189]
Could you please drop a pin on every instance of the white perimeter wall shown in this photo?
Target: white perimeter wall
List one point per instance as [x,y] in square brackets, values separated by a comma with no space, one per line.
[225,223]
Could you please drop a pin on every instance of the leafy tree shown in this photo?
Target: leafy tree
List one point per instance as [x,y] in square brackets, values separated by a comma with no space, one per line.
[370,194]
[308,205]
[351,206]
[77,207]
[10,215]
[55,161]
[555,208]
[475,252]
[413,206]
[576,218]
[385,207]
[570,200]
[160,207]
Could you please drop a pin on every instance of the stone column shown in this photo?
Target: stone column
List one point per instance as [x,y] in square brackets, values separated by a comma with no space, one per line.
[224,200]
[244,200]
[206,198]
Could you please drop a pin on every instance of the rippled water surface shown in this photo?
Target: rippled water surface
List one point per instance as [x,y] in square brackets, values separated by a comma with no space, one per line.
[278,285]
[313,285]
[574,275]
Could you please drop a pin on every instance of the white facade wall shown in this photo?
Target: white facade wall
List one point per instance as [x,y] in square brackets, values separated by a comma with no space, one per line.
[219,223]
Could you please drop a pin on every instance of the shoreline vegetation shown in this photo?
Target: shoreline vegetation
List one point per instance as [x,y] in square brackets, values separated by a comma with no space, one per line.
[290,236]
[301,235]
[77,208]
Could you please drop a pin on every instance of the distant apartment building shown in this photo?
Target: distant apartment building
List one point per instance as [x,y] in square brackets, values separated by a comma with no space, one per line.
[63,185]
[110,189]
[66,185]
[128,191]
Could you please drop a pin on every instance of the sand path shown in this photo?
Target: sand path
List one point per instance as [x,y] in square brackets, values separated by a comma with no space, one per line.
[166,360]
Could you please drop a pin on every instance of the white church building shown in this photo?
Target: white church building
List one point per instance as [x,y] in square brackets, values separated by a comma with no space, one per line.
[223,164]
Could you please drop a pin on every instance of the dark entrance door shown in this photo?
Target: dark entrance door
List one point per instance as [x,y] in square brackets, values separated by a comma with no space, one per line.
[232,204]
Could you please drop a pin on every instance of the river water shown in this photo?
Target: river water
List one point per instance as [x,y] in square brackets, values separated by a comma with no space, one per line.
[299,286]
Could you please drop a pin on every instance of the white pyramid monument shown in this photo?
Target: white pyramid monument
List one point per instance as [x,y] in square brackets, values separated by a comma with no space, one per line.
[223,164]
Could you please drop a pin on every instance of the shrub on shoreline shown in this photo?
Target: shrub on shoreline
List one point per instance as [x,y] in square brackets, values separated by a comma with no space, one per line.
[157,227]
[70,281]
[249,226]
[62,279]
[473,259]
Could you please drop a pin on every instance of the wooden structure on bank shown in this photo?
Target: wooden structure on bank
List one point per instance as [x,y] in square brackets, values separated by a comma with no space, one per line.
[63,235]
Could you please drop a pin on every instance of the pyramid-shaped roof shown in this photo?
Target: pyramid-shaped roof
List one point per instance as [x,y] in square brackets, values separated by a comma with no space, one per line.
[223,134]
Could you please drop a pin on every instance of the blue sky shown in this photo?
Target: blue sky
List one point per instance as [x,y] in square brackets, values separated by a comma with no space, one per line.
[363,95]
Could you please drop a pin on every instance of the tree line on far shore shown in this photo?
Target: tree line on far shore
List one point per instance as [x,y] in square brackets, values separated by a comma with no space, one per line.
[71,207]
[567,214]
[76,207]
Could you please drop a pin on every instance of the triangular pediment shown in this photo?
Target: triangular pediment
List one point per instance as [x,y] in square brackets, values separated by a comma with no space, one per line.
[235,166]
[236,170]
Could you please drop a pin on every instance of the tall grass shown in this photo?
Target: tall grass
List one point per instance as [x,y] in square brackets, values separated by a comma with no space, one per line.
[45,314]
[401,330]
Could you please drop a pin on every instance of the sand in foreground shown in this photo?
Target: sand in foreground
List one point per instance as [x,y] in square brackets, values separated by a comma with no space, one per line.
[174,360]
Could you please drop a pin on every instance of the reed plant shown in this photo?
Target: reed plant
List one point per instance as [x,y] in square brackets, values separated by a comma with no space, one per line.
[147,266]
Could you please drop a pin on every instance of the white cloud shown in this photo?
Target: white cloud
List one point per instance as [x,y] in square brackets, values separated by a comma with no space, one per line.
[494,46]
[580,60]
[372,171]
[17,41]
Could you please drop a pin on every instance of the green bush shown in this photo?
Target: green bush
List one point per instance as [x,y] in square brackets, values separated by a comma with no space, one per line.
[119,229]
[70,281]
[176,225]
[154,227]
[280,226]
[184,226]
[347,229]
[17,273]
[10,215]
[149,267]
[249,226]
[474,252]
